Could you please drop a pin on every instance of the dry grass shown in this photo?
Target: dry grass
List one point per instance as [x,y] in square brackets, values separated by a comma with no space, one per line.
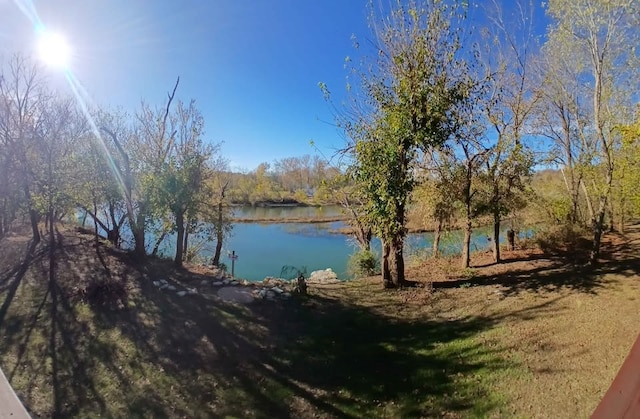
[531,337]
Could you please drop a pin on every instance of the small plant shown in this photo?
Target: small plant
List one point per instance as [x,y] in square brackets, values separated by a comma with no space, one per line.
[465,285]
[469,273]
[105,293]
[223,267]
[363,263]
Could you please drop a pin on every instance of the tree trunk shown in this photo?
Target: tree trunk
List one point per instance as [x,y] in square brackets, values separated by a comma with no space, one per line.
[185,246]
[180,238]
[156,246]
[113,234]
[33,217]
[587,198]
[396,262]
[610,215]
[496,238]
[436,239]
[466,244]
[599,220]
[138,235]
[386,272]
[219,234]
[597,237]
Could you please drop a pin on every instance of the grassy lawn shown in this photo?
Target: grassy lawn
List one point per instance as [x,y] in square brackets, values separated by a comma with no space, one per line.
[530,338]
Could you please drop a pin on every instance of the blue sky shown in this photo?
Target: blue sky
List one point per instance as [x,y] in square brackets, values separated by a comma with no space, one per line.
[253,66]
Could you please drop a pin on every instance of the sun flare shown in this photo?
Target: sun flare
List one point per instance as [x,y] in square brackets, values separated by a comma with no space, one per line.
[54,50]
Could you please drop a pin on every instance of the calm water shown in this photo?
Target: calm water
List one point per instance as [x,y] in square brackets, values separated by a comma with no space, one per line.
[265,249]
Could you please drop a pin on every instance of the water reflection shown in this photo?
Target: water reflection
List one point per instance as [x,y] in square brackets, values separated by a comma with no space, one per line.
[264,249]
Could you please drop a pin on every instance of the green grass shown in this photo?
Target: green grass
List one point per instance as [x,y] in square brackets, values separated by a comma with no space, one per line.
[163,356]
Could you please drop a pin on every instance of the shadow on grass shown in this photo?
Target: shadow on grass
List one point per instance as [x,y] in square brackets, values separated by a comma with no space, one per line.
[618,257]
[166,356]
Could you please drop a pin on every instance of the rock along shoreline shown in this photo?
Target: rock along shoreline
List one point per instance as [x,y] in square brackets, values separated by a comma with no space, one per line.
[243,291]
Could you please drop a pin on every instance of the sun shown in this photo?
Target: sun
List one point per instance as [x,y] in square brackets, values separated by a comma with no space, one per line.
[53,49]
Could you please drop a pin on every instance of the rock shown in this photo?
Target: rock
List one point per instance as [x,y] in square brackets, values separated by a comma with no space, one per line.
[262,293]
[192,291]
[286,295]
[156,283]
[181,293]
[326,276]
[204,282]
[217,283]
[270,295]
[164,286]
[226,281]
[171,288]
[277,290]
[233,282]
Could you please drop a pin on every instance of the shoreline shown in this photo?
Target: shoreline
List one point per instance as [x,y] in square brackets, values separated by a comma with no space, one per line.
[292,220]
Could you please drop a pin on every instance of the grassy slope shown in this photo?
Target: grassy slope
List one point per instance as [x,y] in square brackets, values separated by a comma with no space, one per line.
[547,344]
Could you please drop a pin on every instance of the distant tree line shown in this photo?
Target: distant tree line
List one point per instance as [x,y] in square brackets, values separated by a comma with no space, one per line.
[302,180]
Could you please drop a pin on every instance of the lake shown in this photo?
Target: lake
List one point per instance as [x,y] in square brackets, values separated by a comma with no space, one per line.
[265,249]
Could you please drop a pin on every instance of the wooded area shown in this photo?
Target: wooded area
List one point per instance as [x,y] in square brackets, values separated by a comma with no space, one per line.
[456,120]
[446,123]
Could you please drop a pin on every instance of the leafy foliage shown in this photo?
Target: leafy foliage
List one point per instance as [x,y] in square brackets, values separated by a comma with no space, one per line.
[411,91]
[363,263]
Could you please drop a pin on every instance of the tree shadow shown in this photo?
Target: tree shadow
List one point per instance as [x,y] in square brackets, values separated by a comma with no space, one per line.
[10,281]
[198,356]
[619,257]
[335,358]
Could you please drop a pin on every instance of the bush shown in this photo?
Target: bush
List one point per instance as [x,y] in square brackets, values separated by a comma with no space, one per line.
[363,263]
[565,239]
[105,293]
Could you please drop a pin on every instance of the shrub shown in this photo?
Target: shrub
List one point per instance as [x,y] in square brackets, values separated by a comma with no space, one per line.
[469,273]
[105,293]
[363,263]
[565,239]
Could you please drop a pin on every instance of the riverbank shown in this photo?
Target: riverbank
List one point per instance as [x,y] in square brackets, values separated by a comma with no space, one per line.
[290,220]
[523,338]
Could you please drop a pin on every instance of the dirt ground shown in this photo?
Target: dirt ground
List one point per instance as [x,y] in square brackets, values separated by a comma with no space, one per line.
[534,336]
[569,327]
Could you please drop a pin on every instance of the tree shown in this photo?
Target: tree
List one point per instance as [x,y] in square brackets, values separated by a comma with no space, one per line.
[560,117]
[625,197]
[98,189]
[508,106]
[410,93]
[179,183]
[433,197]
[60,128]
[600,33]
[465,168]
[21,95]
[142,151]
[221,217]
